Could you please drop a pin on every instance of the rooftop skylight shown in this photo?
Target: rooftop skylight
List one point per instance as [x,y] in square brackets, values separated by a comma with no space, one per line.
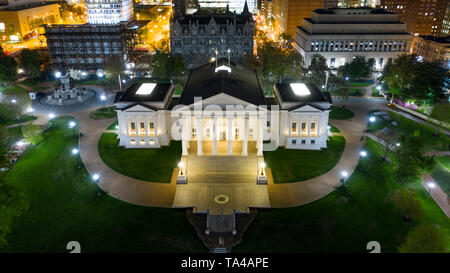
[146,88]
[300,89]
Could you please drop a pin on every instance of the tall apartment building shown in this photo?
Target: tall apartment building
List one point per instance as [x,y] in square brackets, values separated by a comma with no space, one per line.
[422,17]
[109,11]
[288,14]
[233,5]
[341,34]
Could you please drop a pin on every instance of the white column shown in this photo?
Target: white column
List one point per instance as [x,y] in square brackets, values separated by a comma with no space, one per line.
[230,135]
[260,136]
[309,126]
[245,137]
[136,130]
[184,137]
[214,136]
[146,126]
[127,125]
[199,136]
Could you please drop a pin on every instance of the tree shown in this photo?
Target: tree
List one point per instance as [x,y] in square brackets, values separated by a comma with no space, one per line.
[8,112]
[359,68]
[411,162]
[4,140]
[425,238]
[32,133]
[278,61]
[160,65]
[252,61]
[114,66]
[318,69]
[441,112]
[30,62]
[176,65]
[407,204]
[12,204]
[8,69]
[338,87]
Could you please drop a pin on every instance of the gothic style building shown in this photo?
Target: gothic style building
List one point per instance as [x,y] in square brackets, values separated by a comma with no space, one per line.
[211,33]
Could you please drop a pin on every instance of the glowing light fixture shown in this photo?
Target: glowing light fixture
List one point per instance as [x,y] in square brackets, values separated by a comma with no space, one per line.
[300,89]
[344,174]
[51,115]
[146,89]
[431,185]
[363,153]
[222,68]
[57,74]
[372,119]
[75,151]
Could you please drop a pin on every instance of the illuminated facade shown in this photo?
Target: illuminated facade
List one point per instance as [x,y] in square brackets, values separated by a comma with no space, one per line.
[430,48]
[421,17]
[197,37]
[341,34]
[19,23]
[109,11]
[234,5]
[299,121]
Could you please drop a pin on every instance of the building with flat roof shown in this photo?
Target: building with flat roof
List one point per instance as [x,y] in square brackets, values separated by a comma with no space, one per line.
[430,48]
[241,120]
[18,23]
[341,34]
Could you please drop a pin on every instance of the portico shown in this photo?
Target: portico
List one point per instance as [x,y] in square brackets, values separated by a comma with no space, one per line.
[222,136]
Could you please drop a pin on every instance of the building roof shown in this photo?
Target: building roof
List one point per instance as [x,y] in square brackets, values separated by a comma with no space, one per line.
[287,94]
[157,94]
[241,83]
[440,40]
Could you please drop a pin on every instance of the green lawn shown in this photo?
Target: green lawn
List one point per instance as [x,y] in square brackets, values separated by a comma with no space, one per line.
[178,90]
[35,85]
[333,129]
[340,113]
[23,118]
[444,161]
[442,176]
[13,90]
[112,126]
[359,84]
[290,165]
[103,113]
[375,92]
[63,207]
[346,219]
[357,92]
[155,165]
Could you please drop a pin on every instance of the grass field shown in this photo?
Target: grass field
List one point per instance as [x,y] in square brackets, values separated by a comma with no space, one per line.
[64,206]
[340,113]
[346,219]
[178,90]
[360,84]
[103,113]
[289,165]
[155,165]
[357,92]
[35,85]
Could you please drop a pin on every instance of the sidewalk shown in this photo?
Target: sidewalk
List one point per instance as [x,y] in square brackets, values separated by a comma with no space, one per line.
[439,196]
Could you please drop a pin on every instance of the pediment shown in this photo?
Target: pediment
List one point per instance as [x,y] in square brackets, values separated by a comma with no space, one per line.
[139,108]
[307,108]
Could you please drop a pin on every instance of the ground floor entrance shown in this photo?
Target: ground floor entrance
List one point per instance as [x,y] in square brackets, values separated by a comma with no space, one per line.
[223,148]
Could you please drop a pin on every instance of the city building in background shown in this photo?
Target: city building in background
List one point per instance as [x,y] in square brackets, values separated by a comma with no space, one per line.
[211,33]
[109,12]
[341,34]
[430,48]
[233,5]
[110,31]
[288,14]
[20,23]
[422,17]
[358,3]
[21,3]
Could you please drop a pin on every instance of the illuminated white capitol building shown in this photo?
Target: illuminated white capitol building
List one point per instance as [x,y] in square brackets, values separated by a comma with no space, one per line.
[223,111]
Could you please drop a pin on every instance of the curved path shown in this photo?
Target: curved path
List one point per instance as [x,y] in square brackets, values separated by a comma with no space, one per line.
[146,193]
[303,192]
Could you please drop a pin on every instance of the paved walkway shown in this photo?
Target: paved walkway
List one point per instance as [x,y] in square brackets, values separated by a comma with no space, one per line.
[303,192]
[122,187]
[439,196]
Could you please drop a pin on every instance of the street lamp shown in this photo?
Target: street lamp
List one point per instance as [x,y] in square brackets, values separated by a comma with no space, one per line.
[372,119]
[379,87]
[363,153]
[180,165]
[14,101]
[96,177]
[72,124]
[262,165]
[51,115]
[430,185]
[57,74]
[103,99]
[75,151]
[397,144]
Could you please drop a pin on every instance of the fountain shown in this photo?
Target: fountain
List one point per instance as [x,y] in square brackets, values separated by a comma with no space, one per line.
[65,94]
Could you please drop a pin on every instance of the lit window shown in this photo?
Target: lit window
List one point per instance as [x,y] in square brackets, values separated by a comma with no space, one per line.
[133,142]
[142,142]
